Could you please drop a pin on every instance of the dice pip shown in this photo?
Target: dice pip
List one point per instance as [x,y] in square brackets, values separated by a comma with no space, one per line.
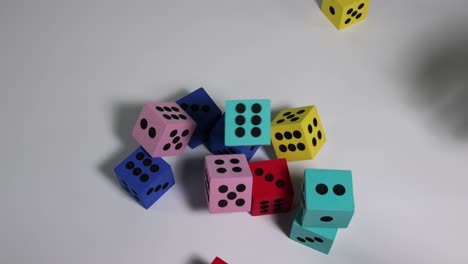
[204,111]
[320,239]
[144,178]
[228,183]
[272,190]
[216,142]
[344,13]
[297,133]
[327,198]
[163,129]
[247,122]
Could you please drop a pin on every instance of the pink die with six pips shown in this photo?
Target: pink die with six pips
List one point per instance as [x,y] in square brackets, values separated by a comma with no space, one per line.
[228,183]
[163,129]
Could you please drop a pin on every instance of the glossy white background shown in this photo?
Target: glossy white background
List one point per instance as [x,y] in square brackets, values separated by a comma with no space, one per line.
[391,92]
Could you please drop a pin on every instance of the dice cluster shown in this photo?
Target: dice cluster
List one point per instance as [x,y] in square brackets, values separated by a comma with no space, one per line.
[327,204]
[232,182]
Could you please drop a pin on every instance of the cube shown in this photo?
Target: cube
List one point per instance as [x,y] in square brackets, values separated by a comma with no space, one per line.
[216,143]
[320,239]
[204,111]
[327,198]
[344,13]
[297,133]
[218,261]
[272,190]
[228,183]
[144,178]
[247,122]
[163,129]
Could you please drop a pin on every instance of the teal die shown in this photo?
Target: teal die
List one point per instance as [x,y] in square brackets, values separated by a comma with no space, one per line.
[318,238]
[247,122]
[327,198]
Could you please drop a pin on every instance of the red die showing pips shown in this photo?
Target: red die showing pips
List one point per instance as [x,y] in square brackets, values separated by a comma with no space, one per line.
[218,261]
[272,190]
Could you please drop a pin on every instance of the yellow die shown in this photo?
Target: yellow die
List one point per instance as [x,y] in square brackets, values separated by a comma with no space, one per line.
[297,133]
[344,13]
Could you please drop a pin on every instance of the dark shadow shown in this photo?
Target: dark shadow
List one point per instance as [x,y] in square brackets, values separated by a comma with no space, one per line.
[269,151]
[195,259]
[441,80]
[123,120]
[284,220]
[319,3]
[124,116]
[191,180]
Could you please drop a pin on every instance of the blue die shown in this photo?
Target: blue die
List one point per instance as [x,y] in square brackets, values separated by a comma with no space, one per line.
[145,178]
[216,143]
[320,239]
[201,108]
[327,198]
[248,122]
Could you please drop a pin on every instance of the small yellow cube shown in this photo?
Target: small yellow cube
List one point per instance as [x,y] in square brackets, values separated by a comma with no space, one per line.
[297,133]
[344,13]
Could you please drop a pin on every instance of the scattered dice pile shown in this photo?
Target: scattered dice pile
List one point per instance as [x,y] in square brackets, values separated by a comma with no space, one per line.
[232,183]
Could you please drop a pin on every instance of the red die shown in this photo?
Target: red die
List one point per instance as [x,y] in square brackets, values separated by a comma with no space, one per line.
[272,190]
[218,261]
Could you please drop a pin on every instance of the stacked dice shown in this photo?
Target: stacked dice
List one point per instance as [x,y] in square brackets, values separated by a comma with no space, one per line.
[327,204]
[232,184]
[162,129]
[243,128]
[201,107]
[327,195]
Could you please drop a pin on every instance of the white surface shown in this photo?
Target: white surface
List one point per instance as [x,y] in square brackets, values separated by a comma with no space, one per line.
[74,74]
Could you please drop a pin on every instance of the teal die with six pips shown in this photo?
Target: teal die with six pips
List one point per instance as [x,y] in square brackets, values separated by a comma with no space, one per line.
[247,122]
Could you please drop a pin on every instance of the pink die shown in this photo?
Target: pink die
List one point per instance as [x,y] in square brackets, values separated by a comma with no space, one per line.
[163,129]
[228,183]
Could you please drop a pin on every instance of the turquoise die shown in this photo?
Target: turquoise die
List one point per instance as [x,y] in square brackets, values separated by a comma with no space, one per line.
[320,239]
[247,122]
[327,198]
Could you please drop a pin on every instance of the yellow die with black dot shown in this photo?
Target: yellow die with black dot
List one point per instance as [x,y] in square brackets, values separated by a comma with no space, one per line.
[297,133]
[344,13]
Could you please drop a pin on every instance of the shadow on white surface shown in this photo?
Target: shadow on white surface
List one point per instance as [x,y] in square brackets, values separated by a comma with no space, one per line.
[123,120]
[441,80]
[319,3]
[269,151]
[195,259]
[284,220]
[191,181]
